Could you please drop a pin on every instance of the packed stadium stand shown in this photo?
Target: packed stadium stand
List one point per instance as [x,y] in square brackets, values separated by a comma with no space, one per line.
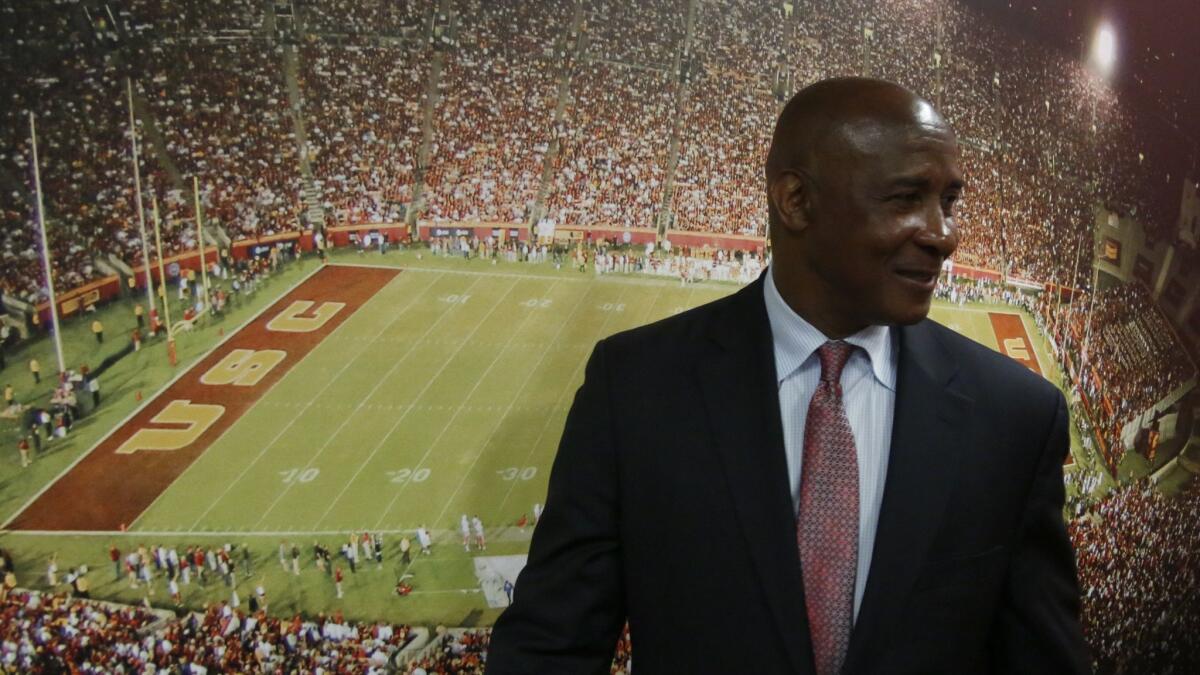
[1136,553]
[1133,359]
[224,115]
[46,633]
[1043,140]
[362,136]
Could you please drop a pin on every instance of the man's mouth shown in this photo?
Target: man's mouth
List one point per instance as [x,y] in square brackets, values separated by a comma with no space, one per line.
[924,278]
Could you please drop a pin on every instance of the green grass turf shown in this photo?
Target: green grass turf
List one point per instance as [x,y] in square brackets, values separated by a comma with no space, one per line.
[422,406]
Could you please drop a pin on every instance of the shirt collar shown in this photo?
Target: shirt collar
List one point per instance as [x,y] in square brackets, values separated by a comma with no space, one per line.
[796,339]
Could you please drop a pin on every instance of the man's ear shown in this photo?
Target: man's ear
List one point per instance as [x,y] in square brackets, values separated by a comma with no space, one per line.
[791,197]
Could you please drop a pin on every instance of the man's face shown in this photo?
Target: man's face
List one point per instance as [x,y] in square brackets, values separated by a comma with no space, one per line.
[882,222]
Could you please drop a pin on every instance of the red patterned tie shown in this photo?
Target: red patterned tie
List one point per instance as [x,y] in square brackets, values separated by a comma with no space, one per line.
[827,526]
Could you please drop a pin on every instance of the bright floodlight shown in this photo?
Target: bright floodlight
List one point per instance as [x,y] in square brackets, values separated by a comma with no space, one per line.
[1104,50]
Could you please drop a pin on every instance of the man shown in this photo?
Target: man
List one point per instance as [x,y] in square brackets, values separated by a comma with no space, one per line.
[83,588]
[823,480]
[405,548]
[114,554]
[477,527]
[424,540]
[23,451]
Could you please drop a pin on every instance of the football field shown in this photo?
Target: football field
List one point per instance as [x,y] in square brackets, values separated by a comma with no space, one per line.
[442,393]
[373,398]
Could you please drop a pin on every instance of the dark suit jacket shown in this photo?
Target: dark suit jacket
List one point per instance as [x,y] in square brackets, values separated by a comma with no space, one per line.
[669,507]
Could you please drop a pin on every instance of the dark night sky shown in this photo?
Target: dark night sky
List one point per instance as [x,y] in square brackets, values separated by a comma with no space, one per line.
[1158,52]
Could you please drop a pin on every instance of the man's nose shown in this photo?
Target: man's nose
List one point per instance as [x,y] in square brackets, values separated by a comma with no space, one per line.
[940,232]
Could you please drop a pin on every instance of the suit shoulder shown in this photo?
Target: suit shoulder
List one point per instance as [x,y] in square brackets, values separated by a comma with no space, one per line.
[670,335]
[990,368]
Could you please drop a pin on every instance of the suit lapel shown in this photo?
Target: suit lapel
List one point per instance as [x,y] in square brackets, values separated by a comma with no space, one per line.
[737,380]
[922,464]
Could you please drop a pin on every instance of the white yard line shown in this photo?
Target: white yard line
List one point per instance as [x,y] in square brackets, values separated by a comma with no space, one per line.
[585,277]
[495,359]
[500,418]
[517,275]
[150,399]
[299,414]
[361,405]
[567,390]
[396,364]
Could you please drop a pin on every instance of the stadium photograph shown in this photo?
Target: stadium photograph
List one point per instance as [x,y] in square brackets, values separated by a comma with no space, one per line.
[551,336]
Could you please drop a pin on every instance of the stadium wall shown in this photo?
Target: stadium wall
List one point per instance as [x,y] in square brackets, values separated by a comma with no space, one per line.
[107,288]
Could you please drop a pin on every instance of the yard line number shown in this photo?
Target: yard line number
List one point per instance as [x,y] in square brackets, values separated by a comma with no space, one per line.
[401,476]
[308,475]
[518,473]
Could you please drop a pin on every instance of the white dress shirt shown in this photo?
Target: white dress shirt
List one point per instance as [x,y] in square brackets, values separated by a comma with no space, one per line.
[869,396]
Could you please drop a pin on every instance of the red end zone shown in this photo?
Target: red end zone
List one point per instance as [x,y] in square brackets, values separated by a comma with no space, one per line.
[1014,342]
[126,472]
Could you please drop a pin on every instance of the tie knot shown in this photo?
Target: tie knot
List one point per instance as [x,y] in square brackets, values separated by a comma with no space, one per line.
[834,355]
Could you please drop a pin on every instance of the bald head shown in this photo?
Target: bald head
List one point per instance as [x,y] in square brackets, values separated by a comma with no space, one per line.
[862,181]
[843,116]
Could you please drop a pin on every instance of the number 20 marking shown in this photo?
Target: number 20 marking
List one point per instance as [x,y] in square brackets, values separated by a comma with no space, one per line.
[400,476]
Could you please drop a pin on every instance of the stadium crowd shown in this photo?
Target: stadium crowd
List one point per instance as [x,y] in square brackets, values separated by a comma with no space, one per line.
[1040,134]
[192,17]
[1127,360]
[49,633]
[491,134]
[610,166]
[81,167]
[464,652]
[42,633]
[362,17]
[1137,553]
[53,633]
[225,117]
[362,106]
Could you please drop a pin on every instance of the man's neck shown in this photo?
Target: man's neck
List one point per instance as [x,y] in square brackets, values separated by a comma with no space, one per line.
[809,307]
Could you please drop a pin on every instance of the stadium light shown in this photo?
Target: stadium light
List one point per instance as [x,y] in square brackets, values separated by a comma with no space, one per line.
[1104,50]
